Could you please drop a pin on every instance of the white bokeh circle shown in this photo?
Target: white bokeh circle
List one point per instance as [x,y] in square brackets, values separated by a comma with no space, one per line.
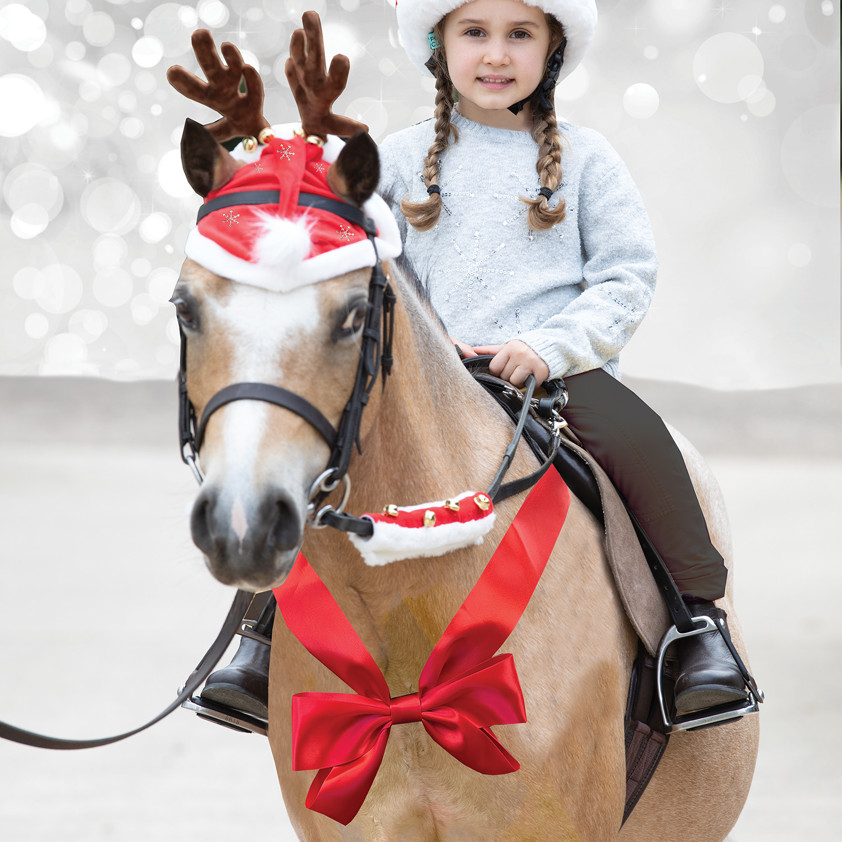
[33,183]
[110,206]
[171,175]
[23,29]
[114,70]
[147,51]
[728,67]
[29,221]
[98,29]
[23,103]
[59,289]
[36,325]
[641,101]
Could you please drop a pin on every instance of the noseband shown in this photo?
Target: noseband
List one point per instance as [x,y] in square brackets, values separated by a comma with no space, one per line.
[375,356]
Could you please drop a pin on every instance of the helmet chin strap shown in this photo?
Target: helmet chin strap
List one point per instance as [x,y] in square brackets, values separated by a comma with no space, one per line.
[544,92]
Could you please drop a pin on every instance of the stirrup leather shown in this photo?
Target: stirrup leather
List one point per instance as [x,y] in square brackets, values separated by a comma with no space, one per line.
[714,715]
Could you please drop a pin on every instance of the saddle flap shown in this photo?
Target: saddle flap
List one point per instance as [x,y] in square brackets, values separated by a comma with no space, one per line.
[638,591]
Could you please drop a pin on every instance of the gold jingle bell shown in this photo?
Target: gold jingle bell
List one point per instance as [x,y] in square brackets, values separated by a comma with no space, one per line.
[266,135]
[391,510]
[429,518]
[483,502]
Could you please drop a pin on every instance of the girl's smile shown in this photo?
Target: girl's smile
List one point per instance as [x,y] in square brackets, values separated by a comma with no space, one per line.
[496,52]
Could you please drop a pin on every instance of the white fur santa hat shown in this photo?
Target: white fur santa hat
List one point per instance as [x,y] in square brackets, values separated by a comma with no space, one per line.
[255,229]
[416,19]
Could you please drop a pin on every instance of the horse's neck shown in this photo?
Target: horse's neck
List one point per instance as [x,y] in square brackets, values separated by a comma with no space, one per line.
[429,435]
[433,434]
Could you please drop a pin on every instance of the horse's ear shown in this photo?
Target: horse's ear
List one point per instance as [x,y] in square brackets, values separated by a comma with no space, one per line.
[355,173]
[207,165]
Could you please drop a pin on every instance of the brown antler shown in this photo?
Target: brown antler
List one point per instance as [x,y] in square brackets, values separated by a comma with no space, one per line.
[242,113]
[315,89]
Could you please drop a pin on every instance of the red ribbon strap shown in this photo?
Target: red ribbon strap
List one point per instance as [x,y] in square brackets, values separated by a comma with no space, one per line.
[464,687]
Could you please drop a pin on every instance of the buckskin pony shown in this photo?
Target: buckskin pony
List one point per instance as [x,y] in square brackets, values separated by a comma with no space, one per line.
[282,295]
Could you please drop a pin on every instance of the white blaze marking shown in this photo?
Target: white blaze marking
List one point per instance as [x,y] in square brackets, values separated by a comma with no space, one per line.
[261,326]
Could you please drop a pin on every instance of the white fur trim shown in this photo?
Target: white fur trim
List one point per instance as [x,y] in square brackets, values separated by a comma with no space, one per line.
[416,19]
[330,264]
[392,542]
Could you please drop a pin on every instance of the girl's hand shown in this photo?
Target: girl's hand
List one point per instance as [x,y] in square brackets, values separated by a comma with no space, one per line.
[514,362]
[465,350]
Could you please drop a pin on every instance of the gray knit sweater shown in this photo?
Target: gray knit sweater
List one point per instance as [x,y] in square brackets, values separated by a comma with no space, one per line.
[576,293]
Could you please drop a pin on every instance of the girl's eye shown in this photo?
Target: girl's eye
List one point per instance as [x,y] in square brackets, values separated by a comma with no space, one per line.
[354,321]
[520,34]
[474,33]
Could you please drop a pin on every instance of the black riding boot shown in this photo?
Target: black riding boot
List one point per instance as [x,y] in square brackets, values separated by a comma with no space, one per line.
[244,684]
[708,676]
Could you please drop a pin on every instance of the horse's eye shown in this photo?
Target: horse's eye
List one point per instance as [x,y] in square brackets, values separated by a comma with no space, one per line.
[185,314]
[354,321]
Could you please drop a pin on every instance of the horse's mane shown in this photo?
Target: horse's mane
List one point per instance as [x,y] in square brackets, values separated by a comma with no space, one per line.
[403,263]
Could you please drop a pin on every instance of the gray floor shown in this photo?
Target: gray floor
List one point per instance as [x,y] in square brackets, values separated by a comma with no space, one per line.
[105,606]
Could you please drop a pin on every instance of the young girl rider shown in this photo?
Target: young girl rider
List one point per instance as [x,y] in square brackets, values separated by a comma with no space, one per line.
[534,246]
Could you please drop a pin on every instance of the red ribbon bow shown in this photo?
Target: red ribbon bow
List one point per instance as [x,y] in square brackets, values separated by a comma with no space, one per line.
[464,688]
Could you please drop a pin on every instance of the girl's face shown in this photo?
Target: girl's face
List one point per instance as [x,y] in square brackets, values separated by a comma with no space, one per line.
[496,55]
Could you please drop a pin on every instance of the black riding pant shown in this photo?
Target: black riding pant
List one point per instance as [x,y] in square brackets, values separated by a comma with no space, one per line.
[634,447]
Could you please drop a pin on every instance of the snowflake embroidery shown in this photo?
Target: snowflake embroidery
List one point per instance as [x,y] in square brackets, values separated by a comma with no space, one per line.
[320,167]
[258,166]
[345,233]
[230,218]
[478,273]
[286,152]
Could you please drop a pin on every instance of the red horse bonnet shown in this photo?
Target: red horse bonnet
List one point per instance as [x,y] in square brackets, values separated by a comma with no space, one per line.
[282,245]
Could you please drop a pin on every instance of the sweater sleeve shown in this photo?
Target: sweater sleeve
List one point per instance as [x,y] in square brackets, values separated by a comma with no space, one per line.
[619,270]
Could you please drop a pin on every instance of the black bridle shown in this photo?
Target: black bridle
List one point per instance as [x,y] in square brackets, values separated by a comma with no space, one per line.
[375,357]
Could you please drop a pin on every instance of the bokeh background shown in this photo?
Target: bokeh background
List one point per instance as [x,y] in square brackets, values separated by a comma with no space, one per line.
[727,113]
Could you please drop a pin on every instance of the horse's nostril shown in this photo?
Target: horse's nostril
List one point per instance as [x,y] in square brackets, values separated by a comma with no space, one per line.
[200,526]
[284,528]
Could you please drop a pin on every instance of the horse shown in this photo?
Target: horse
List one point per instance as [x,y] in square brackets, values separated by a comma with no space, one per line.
[428,432]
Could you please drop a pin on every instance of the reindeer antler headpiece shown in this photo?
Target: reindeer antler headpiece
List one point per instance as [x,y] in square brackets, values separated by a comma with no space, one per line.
[276,212]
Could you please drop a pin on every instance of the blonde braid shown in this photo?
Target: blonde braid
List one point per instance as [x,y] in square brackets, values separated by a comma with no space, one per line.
[424,215]
[545,133]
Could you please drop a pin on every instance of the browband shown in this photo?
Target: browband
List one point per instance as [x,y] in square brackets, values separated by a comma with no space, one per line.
[307,200]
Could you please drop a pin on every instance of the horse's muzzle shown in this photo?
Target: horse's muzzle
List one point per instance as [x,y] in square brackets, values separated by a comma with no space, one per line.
[253,546]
